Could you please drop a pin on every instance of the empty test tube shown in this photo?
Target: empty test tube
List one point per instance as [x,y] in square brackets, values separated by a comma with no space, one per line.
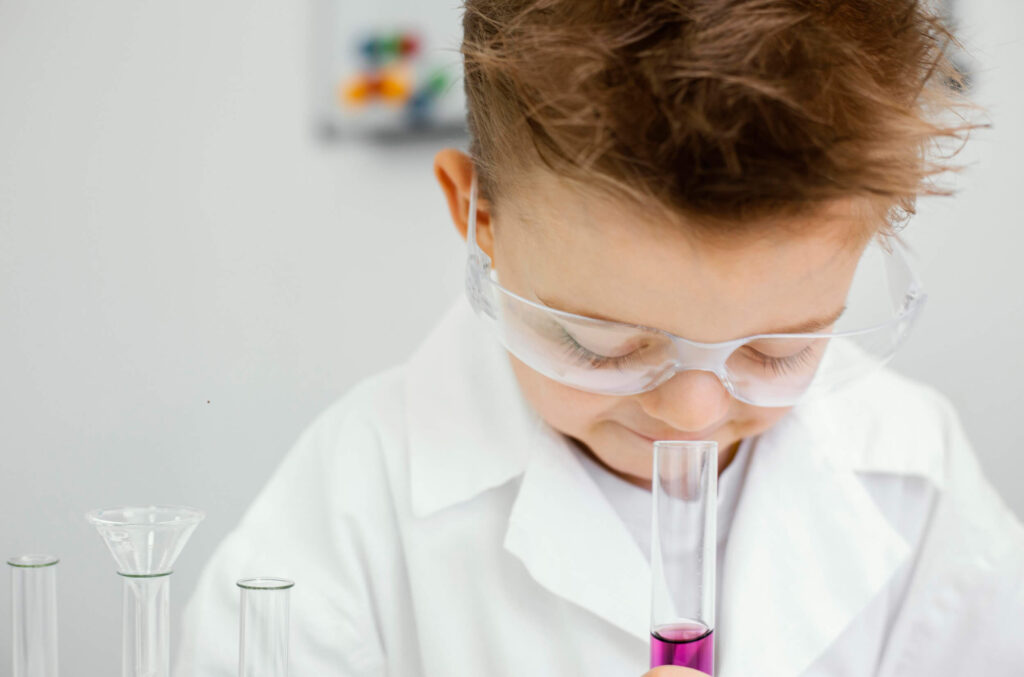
[34,615]
[263,627]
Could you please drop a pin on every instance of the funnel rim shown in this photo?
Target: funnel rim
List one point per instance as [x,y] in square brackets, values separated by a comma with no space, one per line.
[158,574]
[186,515]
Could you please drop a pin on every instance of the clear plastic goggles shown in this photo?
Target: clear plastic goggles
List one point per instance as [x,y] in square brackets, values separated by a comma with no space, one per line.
[765,370]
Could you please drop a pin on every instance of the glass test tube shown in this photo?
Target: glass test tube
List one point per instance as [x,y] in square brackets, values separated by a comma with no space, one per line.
[34,615]
[263,627]
[684,491]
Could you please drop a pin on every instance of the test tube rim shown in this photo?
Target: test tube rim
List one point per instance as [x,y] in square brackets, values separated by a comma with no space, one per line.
[688,443]
[44,561]
[251,583]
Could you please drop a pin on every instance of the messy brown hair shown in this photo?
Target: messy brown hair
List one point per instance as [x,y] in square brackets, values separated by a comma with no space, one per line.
[723,110]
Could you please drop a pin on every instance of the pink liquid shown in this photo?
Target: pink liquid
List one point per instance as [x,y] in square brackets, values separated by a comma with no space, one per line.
[691,645]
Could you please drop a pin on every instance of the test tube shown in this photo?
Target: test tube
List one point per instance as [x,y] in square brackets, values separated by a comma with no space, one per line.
[145,541]
[263,627]
[33,615]
[684,490]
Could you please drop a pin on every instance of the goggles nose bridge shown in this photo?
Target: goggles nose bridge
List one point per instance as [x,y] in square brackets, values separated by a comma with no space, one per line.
[689,355]
[676,368]
[693,356]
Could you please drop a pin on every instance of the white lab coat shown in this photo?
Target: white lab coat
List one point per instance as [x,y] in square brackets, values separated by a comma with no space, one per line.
[435,526]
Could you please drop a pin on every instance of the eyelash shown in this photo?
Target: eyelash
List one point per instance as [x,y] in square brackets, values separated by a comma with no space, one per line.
[781,365]
[589,358]
[778,366]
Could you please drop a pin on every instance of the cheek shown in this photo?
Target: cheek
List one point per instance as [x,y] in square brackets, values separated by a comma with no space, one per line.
[565,409]
[752,420]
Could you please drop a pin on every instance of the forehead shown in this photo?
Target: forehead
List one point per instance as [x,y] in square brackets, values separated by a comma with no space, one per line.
[594,254]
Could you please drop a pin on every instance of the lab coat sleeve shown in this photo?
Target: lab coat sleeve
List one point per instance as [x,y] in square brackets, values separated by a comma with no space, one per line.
[963,613]
[309,524]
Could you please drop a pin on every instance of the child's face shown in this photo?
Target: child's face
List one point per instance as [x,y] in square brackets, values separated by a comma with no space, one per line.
[599,257]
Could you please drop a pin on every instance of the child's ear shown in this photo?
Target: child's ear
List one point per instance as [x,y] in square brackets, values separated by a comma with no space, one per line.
[454,172]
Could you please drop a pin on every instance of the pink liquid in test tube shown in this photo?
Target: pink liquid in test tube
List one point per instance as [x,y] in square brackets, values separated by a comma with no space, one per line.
[690,645]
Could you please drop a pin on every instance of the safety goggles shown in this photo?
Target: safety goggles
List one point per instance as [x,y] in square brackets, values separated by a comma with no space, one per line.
[764,370]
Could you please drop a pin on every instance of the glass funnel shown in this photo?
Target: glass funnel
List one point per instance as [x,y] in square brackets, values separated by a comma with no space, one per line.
[145,541]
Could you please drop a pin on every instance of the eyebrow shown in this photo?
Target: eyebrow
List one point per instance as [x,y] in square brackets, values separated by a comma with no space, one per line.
[812,325]
[805,327]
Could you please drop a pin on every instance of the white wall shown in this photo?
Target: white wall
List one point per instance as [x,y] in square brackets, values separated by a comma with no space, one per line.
[970,341]
[186,278]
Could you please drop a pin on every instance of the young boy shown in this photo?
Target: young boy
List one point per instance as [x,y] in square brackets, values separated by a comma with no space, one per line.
[665,206]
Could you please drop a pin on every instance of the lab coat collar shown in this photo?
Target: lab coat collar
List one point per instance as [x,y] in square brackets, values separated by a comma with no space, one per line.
[807,551]
[470,430]
[468,424]
[808,547]
[574,543]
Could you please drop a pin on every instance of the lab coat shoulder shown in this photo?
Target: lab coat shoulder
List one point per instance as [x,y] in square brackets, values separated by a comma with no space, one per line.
[966,588]
[327,520]
[893,424]
[887,423]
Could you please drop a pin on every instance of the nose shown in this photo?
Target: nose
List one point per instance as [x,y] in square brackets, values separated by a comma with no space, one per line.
[690,401]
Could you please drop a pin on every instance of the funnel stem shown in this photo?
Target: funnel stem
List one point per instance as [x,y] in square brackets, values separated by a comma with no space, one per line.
[146,626]
[34,616]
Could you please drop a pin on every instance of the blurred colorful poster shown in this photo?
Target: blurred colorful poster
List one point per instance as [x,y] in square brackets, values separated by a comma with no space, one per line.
[388,69]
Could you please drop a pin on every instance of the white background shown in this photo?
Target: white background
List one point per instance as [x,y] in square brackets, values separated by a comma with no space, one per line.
[187,277]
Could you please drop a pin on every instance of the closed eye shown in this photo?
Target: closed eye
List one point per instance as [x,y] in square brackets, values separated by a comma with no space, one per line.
[582,355]
[780,366]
